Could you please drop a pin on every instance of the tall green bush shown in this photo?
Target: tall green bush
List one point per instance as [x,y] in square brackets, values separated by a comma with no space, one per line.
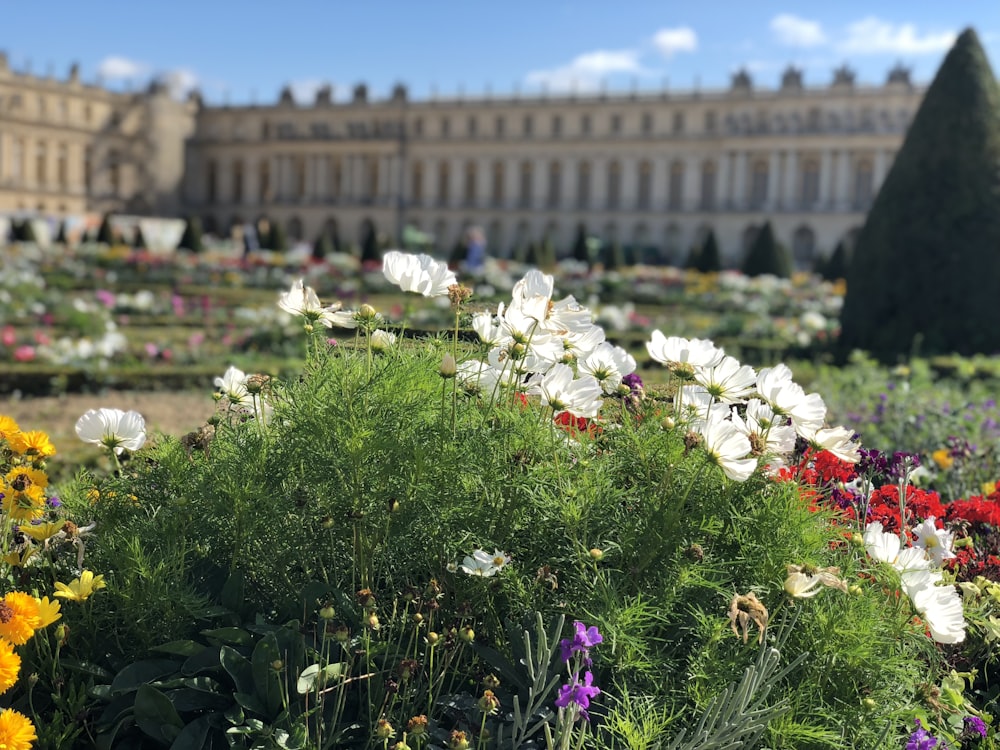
[925,275]
[191,239]
[767,256]
[839,263]
[708,259]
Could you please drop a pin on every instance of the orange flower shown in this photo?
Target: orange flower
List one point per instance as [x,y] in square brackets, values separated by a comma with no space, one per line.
[8,427]
[10,666]
[19,618]
[34,442]
[16,730]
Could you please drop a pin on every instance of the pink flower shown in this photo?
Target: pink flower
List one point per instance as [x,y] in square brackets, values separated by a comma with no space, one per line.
[24,353]
[9,336]
[151,350]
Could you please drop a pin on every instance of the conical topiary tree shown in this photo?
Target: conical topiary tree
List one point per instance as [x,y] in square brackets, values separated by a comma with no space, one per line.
[105,234]
[323,246]
[838,264]
[766,255]
[277,240]
[27,232]
[820,264]
[691,263]
[61,234]
[191,239]
[581,251]
[139,241]
[709,260]
[925,275]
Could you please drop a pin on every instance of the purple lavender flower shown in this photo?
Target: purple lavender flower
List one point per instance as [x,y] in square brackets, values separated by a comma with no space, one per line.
[583,640]
[921,739]
[973,727]
[578,693]
[633,381]
[54,501]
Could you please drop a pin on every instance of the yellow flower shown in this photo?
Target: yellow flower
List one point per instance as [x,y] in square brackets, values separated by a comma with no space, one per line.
[942,457]
[18,618]
[10,666]
[989,488]
[24,505]
[48,612]
[8,427]
[16,730]
[25,476]
[18,560]
[34,442]
[42,531]
[80,589]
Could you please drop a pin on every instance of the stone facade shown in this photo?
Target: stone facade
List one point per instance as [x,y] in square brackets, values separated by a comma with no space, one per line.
[69,148]
[649,171]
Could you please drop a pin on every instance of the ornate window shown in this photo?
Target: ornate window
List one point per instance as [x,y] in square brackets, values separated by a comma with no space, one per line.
[758,185]
[583,178]
[644,195]
[676,197]
[809,194]
[497,196]
[614,185]
[708,180]
[554,196]
[527,178]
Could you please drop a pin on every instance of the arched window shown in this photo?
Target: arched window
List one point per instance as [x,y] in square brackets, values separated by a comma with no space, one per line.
[644,195]
[497,196]
[469,189]
[62,167]
[614,185]
[672,244]
[417,183]
[758,185]
[299,167]
[809,194]
[676,198]
[863,185]
[295,229]
[372,178]
[554,195]
[749,235]
[494,239]
[708,186]
[583,185]
[527,175]
[41,167]
[336,178]
[804,247]
[444,177]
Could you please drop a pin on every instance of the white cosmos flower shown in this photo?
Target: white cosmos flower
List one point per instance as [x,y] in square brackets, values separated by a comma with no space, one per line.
[581,397]
[382,340]
[727,447]
[566,317]
[341,319]
[482,563]
[764,428]
[697,405]
[115,429]
[418,273]
[488,327]
[728,380]
[476,375]
[939,606]
[801,586]
[937,542]
[302,300]
[608,364]
[582,344]
[776,387]
[233,385]
[838,440]
[532,295]
[678,352]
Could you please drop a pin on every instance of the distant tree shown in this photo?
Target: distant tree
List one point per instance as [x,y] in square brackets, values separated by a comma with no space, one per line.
[105,234]
[139,241]
[369,245]
[581,251]
[61,234]
[767,256]
[691,262]
[27,232]
[323,246]
[925,272]
[531,254]
[838,264]
[277,240]
[709,260]
[547,255]
[191,239]
[819,265]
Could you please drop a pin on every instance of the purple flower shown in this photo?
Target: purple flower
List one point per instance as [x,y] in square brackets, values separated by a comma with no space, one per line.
[973,726]
[54,501]
[921,739]
[582,641]
[578,693]
[633,381]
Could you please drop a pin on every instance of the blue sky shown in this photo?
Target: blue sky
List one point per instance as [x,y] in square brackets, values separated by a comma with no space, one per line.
[246,51]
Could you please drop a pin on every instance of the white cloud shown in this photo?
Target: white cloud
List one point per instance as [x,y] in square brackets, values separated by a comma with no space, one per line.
[116,68]
[672,41]
[872,35]
[179,82]
[586,71]
[304,91]
[797,32]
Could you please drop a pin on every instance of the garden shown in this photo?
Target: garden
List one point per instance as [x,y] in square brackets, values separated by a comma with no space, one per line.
[642,508]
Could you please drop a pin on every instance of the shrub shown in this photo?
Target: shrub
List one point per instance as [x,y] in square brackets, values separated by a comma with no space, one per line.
[323,246]
[923,276]
[838,264]
[191,239]
[105,233]
[708,259]
[767,256]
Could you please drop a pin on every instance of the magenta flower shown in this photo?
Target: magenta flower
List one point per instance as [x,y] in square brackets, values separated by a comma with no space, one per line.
[578,693]
[583,640]
[921,739]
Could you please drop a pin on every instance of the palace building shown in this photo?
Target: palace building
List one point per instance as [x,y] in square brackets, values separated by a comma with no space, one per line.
[651,171]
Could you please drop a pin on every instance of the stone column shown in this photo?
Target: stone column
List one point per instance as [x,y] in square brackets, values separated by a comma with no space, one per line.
[825,180]
[791,187]
[841,198]
[723,193]
[773,199]
[740,182]
[691,192]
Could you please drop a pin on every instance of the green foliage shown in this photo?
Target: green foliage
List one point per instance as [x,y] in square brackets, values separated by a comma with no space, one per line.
[191,239]
[924,274]
[838,264]
[60,238]
[105,234]
[708,259]
[323,246]
[363,479]
[767,256]
[369,245]
[139,241]
[26,231]
[581,251]
[277,239]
